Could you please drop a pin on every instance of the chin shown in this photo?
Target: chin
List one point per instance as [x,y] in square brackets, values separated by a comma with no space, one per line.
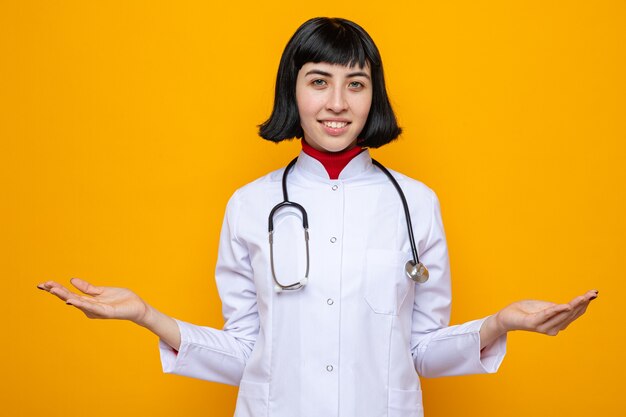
[331,144]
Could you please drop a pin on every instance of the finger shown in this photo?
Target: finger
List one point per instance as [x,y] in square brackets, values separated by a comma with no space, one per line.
[81,305]
[85,287]
[578,301]
[579,306]
[582,308]
[563,314]
[561,321]
[556,323]
[560,324]
[569,321]
[61,292]
[536,322]
[46,286]
[89,307]
[585,298]
[548,314]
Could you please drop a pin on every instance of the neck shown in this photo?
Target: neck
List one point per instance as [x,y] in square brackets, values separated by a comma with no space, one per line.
[334,162]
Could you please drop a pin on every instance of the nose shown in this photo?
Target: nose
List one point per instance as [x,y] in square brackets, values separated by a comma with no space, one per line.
[337,102]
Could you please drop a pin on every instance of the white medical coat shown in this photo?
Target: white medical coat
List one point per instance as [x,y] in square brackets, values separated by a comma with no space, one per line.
[353,341]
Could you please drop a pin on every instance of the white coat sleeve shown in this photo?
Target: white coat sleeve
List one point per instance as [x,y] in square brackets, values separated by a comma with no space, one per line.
[221,355]
[437,348]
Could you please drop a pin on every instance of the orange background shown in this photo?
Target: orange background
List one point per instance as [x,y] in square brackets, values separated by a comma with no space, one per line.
[126,125]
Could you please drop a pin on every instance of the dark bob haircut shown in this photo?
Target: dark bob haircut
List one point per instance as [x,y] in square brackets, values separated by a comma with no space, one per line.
[335,41]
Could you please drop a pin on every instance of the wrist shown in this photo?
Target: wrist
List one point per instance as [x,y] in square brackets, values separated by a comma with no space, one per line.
[148,317]
[162,325]
[499,324]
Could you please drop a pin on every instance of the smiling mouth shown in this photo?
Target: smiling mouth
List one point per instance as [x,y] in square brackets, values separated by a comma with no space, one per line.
[335,125]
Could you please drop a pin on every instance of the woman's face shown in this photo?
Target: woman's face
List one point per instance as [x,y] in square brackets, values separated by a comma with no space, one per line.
[333,102]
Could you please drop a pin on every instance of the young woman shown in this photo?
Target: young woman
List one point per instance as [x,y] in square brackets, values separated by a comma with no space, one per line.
[335,291]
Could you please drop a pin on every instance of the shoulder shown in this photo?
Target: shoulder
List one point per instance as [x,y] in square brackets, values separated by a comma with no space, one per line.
[423,205]
[262,184]
[414,189]
[256,194]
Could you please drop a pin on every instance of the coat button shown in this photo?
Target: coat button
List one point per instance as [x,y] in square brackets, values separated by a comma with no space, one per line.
[333,239]
[335,187]
[329,368]
[330,302]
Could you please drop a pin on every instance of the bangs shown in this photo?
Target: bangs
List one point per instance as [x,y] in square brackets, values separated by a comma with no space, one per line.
[335,44]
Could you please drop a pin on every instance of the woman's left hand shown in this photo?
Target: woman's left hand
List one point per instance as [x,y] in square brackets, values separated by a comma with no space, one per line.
[535,316]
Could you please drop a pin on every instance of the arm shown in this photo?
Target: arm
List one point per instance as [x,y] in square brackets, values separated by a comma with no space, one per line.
[187,349]
[439,349]
[221,355]
[477,346]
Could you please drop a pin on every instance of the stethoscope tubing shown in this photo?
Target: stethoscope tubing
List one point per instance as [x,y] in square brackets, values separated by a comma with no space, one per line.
[405,205]
[415,269]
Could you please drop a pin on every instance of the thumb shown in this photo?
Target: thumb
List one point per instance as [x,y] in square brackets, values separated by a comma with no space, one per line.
[85,287]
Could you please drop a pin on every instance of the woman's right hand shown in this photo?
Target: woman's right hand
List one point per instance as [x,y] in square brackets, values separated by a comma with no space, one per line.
[101,302]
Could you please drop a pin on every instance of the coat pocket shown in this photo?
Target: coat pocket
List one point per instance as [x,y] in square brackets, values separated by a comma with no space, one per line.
[386,284]
[405,403]
[253,399]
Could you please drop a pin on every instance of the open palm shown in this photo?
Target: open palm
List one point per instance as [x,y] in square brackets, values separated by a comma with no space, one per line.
[100,302]
[543,316]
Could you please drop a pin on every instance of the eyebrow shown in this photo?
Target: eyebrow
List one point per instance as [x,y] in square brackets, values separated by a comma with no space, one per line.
[328,74]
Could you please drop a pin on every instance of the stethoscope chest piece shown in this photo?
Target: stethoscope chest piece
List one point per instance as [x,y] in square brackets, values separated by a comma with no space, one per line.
[417,272]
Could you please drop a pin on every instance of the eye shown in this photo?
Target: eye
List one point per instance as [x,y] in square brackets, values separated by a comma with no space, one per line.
[318,83]
[356,85]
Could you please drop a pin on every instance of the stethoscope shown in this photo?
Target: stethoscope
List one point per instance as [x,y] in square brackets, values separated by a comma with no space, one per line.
[414,269]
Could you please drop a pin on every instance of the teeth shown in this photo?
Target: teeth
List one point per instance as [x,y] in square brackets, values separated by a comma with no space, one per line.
[335,125]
